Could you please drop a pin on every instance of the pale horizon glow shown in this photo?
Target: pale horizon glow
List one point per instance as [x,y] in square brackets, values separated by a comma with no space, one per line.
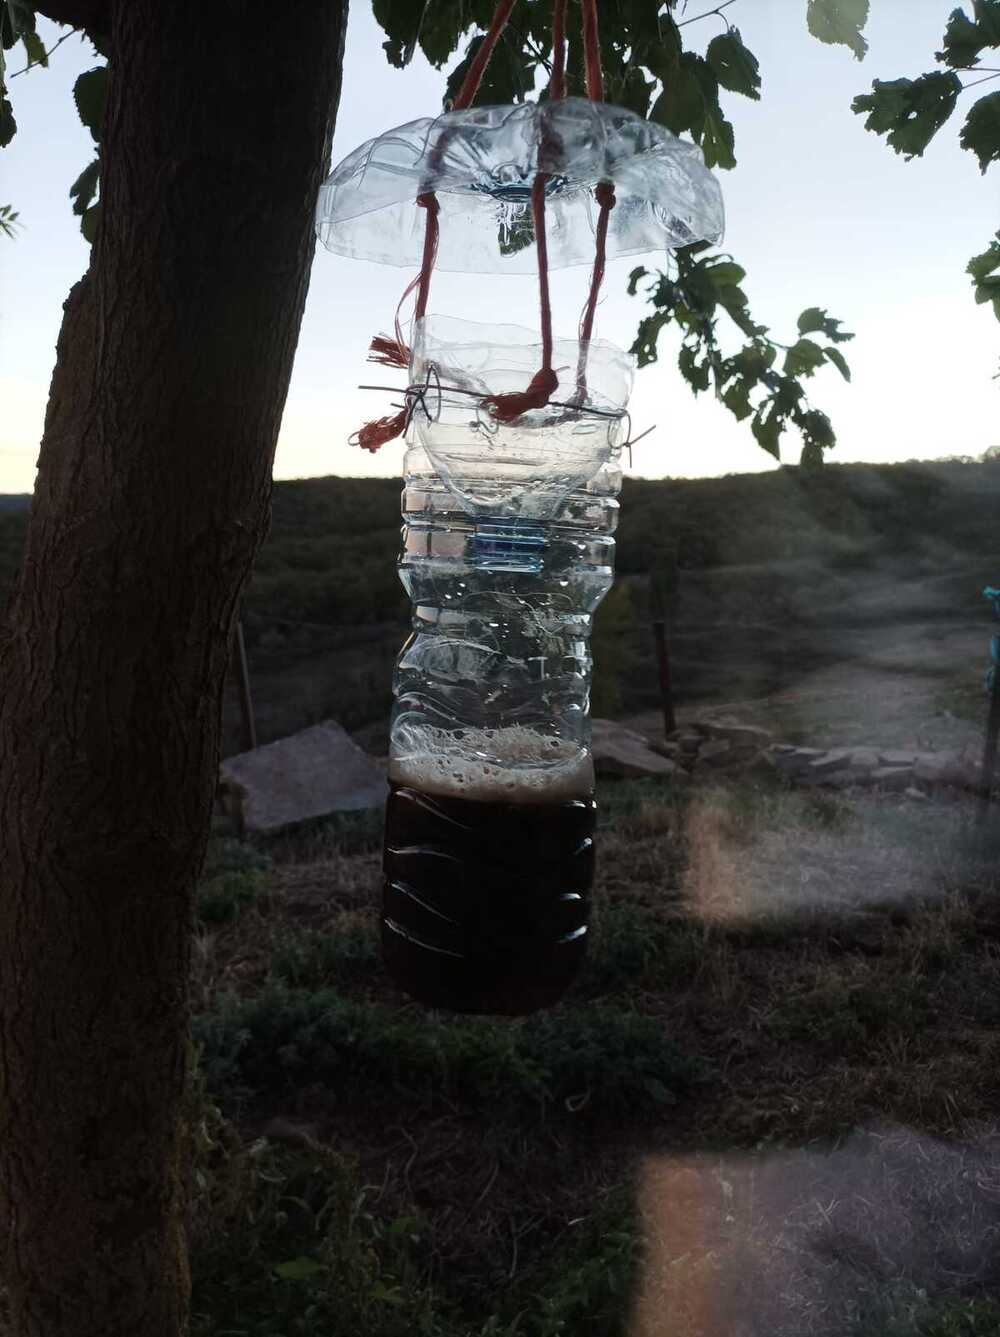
[819,212]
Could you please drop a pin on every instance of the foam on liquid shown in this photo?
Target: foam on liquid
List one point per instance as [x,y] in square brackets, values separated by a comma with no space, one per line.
[512,765]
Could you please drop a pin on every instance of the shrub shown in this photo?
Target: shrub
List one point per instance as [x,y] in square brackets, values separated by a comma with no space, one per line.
[610,1060]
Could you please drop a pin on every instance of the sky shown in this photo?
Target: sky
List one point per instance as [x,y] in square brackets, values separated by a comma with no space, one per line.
[819,212]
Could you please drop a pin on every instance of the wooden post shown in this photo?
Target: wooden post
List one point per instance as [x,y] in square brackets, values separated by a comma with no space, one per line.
[663,665]
[242,674]
[663,587]
[990,745]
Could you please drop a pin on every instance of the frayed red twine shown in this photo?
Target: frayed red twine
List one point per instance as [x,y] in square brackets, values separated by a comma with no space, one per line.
[541,388]
[377,433]
[388,352]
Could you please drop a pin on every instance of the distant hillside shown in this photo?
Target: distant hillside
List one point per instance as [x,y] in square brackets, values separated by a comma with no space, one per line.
[762,558]
[15,501]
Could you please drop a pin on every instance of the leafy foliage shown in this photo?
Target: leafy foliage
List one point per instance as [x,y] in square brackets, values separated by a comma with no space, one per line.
[966,38]
[910,112]
[690,295]
[981,131]
[984,271]
[611,1061]
[8,220]
[648,70]
[840,22]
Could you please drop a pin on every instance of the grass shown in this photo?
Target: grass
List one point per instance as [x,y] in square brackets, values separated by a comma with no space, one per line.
[610,1061]
[473,1177]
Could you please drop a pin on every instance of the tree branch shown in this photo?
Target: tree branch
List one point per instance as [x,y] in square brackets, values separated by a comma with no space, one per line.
[93,14]
[32,64]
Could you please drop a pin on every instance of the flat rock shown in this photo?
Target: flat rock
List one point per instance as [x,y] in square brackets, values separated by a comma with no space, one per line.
[898,758]
[601,729]
[715,751]
[751,735]
[837,759]
[666,748]
[866,757]
[308,774]
[941,768]
[791,763]
[621,752]
[892,777]
[847,778]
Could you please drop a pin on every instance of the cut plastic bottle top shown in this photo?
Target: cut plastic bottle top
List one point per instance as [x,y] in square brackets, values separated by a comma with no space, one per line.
[525,468]
[481,164]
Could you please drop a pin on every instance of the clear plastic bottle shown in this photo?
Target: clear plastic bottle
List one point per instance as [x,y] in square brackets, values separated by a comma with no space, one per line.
[508,548]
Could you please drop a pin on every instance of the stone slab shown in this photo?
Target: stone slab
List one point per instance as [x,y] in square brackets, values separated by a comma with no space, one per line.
[892,777]
[309,774]
[621,752]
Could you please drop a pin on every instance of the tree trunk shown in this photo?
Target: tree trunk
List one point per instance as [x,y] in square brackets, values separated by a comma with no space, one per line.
[152,498]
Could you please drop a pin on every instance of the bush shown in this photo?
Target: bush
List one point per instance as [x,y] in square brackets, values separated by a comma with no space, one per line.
[313,959]
[612,1061]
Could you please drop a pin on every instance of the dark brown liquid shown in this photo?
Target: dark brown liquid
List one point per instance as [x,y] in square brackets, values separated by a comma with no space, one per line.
[485,904]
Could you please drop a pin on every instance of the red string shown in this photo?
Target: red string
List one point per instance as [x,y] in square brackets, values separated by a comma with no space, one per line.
[557,81]
[605,196]
[470,84]
[543,384]
[604,193]
[592,52]
[394,352]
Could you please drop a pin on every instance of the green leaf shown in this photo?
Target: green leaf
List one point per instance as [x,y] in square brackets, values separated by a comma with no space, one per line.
[733,65]
[753,360]
[516,233]
[817,429]
[298,1269]
[8,126]
[718,141]
[84,188]
[35,47]
[644,348]
[16,18]
[767,427]
[981,131]
[717,138]
[634,278]
[736,398]
[909,111]
[982,265]
[89,222]
[839,22]
[90,93]
[508,76]
[681,105]
[724,272]
[401,25]
[965,38]
[835,356]
[803,358]
[694,372]
[635,92]
[9,221]
[734,300]
[811,320]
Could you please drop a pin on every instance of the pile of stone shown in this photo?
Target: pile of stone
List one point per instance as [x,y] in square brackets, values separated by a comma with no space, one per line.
[892,768]
[725,745]
[699,748]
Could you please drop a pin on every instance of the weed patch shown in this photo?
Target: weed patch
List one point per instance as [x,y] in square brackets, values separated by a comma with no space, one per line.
[608,1060]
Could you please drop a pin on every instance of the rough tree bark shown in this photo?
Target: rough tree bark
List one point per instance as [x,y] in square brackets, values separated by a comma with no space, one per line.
[152,498]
